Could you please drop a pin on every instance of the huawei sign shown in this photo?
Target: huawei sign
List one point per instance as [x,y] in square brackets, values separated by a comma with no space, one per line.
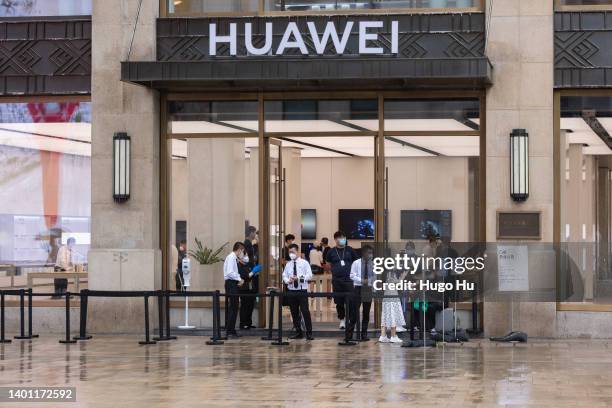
[293,39]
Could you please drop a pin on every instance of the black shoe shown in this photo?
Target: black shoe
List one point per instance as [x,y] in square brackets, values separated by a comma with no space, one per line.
[297,336]
[252,327]
[245,327]
[364,337]
[233,334]
[309,337]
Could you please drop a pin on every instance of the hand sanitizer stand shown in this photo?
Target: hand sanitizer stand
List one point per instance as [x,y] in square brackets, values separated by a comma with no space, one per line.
[186,267]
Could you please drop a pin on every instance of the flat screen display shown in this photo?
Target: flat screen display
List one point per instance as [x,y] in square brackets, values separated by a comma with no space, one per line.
[357,224]
[422,224]
[309,224]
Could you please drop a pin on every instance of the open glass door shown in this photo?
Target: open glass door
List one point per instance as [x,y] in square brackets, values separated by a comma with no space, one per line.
[276,211]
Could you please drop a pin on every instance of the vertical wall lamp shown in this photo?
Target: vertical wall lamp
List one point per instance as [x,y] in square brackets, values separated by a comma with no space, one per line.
[121,166]
[519,164]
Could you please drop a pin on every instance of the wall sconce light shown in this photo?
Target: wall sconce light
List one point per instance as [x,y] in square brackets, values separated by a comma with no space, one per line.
[519,164]
[121,167]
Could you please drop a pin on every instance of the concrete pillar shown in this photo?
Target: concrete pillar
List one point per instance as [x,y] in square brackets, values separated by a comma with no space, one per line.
[520,47]
[125,252]
[216,202]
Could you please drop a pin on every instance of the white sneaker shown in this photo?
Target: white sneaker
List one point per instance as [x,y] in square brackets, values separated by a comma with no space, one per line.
[342,324]
[383,339]
[400,329]
[395,339]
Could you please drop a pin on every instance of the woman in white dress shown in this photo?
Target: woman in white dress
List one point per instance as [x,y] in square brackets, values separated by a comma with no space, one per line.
[392,314]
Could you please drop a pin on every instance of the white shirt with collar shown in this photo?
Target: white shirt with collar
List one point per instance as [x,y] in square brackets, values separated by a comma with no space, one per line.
[303,271]
[230,268]
[356,273]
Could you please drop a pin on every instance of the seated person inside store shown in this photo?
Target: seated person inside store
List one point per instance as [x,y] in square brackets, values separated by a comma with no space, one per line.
[233,281]
[340,258]
[65,261]
[362,275]
[296,275]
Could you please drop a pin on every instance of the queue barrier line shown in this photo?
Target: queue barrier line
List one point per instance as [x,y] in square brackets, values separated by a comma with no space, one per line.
[163,297]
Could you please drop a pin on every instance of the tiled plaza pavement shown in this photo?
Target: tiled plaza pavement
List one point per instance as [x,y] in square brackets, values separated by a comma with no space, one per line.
[114,371]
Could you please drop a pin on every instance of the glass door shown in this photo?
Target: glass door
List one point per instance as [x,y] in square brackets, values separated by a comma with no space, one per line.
[276,204]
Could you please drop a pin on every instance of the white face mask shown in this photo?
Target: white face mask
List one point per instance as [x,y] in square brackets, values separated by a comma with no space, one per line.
[293,256]
[245,259]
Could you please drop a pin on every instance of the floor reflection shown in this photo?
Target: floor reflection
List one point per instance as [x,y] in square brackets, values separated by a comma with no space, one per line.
[114,371]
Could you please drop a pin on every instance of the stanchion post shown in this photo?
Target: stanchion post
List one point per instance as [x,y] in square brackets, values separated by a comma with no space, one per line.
[270,336]
[83,316]
[357,301]
[347,341]
[160,316]
[22,335]
[147,339]
[2,337]
[279,340]
[219,336]
[67,340]
[30,313]
[215,340]
[168,336]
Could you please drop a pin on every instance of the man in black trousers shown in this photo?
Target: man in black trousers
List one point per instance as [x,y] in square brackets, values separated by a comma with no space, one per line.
[233,281]
[341,257]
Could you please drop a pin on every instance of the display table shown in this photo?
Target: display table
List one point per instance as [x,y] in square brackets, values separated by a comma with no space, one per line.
[76,276]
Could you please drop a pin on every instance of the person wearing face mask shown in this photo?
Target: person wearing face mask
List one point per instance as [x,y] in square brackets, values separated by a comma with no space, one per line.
[362,275]
[250,286]
[289,240]
[340,258]
[233,281]
[296,275]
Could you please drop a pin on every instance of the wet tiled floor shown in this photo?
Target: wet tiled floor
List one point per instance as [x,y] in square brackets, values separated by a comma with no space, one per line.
[114,371]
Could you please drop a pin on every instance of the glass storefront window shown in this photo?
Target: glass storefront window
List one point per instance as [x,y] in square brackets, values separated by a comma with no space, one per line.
[325,5]
[585,2]
[31,8]
[585,175]
[212,6]
[45,169]
[321,115]
[186,7]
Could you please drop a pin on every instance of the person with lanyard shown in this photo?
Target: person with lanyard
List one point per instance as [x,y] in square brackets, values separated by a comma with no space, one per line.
[251,286]
[296,275]
[233,280]
[362,275]
[340,258]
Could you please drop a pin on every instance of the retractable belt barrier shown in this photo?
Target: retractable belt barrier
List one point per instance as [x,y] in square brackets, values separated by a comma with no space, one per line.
[163,299]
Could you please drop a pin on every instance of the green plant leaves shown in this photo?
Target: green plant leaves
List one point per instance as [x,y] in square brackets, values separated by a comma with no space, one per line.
[206,256]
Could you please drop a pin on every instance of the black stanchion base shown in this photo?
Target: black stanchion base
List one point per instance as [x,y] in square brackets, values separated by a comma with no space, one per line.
[144,342]
[67,341]
[165,338]
[419,343]
[26,337]
[5,341]
[347,343]
[82,338]
[280,343]
[214,342]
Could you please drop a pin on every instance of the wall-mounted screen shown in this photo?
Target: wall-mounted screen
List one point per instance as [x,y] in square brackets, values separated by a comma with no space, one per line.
[422,224]
[309,224]
[357,224]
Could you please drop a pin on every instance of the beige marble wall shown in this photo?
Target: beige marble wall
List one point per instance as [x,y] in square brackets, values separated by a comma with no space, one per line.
[125,237]
[520,47]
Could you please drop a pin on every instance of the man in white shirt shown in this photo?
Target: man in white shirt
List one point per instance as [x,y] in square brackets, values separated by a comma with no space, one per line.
[362,275]
[64,262]
[232,282]
[296,275]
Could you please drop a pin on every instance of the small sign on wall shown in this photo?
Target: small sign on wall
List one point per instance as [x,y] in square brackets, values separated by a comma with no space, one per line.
[519,225]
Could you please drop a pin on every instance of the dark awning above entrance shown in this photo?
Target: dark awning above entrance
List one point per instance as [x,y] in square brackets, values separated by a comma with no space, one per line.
[275,74]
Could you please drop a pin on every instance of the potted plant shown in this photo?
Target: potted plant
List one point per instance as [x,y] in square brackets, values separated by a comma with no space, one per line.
[208,275]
